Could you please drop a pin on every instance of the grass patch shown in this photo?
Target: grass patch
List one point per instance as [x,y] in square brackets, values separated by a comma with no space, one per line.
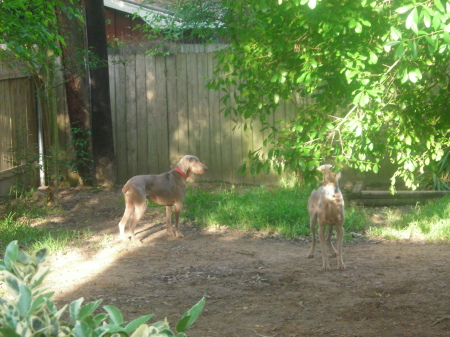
[281,210]
[429,222]
[18,216]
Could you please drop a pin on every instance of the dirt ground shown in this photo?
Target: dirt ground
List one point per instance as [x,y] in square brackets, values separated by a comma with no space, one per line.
[255,284]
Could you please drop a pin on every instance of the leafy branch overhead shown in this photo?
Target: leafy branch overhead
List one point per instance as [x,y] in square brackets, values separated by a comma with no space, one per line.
[369,79]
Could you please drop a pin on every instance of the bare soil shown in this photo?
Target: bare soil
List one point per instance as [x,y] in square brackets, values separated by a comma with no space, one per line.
[255,284]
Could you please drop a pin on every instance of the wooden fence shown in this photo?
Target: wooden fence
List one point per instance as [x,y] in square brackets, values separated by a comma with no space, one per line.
[162,111]
[18,128]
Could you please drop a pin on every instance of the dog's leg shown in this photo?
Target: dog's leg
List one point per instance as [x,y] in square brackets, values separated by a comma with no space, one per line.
[340,237]
[126,215]
[325,263]
[169,220]
[129,210]
[312,226]
[178,208]
[139,210]
[329,244]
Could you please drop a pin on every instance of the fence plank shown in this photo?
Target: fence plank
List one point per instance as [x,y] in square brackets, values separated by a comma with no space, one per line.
[161,110]
[112,95]
[4,126]
[215,160]
[123,171]
[182,105]
[152,115]
[141,116]
[172,113]
[130,110]
[203,112]
[193,113]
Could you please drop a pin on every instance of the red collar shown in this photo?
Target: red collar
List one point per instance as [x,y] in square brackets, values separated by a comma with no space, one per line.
[181,172]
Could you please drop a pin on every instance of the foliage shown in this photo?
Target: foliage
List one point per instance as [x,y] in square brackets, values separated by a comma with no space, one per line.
[375,74]
[274,210]
[30,311]
[31,36]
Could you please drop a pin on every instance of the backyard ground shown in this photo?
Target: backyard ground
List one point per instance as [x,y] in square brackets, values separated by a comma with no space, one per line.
[255,284]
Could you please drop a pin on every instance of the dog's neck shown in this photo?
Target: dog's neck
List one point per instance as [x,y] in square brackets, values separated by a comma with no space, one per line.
[181,172]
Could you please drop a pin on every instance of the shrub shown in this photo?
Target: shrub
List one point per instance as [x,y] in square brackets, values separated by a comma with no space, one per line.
[29,311]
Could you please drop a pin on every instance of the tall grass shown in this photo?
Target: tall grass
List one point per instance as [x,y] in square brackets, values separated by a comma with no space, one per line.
[281,210]
[429,222]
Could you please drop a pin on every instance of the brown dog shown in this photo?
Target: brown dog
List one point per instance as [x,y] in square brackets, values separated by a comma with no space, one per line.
[326,206]
[167,189]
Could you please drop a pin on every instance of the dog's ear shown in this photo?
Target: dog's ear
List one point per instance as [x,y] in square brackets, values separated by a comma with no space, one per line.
[323,167]
[338,176]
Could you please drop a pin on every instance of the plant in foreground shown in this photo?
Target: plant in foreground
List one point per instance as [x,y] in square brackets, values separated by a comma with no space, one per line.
[28,310]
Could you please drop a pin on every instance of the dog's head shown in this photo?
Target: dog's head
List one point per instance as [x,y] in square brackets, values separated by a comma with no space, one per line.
[329,176]
[191,164]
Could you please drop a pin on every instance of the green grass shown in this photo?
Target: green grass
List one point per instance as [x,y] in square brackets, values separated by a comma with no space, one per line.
[429,222]
[16,224]
[281,210]
[274,210]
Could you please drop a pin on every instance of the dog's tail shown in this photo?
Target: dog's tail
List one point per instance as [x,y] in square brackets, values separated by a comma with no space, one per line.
[125,188]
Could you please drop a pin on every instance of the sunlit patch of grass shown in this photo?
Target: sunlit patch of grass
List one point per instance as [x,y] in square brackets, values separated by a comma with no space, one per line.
[18,217]
[275,210]
[429,222]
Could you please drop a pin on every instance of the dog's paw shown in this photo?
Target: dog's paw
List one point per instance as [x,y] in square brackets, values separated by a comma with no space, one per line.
[169,233]
[341,266]
[310,256]
[326,267]
[179,234]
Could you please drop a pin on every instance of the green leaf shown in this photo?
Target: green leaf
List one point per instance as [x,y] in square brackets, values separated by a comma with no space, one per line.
[404,9]
[41,256]
[415,75]
[75,309]
[24,300]
[82,329]
[190,316]
[242,168]
[395,34]
[426,19]
[114,314]
[412,20]
[11,253]
[312,4]
[375,168]
[7,332]
[362,99]
[142,331]
[13,285]
[38,278]
[408,140]
[137,322]
[88,309]
[373,58]
[438,5]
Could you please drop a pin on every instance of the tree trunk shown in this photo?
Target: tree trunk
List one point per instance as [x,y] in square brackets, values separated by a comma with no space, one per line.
[77,84]
[102,130]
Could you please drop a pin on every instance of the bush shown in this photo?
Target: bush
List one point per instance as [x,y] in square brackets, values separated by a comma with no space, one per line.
[29,311]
